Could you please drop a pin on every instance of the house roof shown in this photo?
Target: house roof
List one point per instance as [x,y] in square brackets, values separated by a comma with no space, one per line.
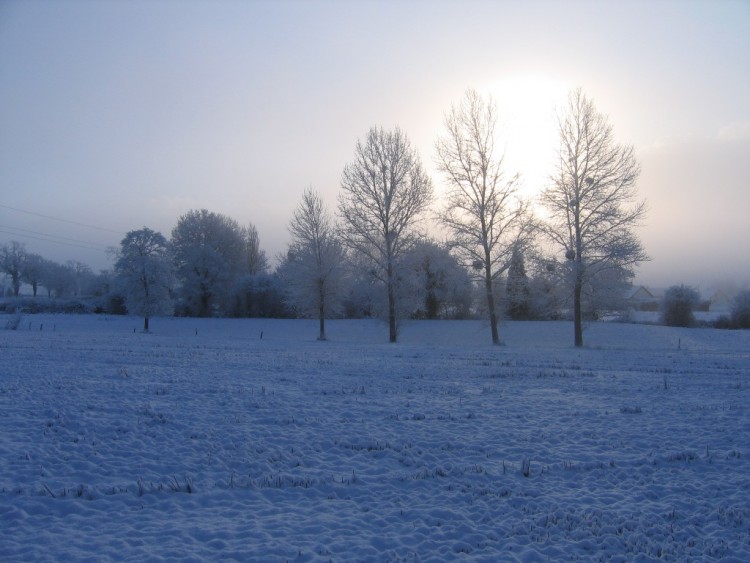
[640,293]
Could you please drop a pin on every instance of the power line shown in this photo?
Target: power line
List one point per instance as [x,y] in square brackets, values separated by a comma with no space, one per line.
[52,238]
[61,220]
[53,241]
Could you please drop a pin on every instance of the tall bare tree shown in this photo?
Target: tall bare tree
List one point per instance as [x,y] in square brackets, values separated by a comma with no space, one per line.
[591,201]
[313,269]
[257,263]
[483,211]
[384,192]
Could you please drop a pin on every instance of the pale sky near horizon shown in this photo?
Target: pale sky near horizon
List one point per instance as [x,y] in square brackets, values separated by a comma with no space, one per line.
[119,115]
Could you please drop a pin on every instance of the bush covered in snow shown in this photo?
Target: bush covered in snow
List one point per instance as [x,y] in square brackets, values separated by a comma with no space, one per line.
[678,305]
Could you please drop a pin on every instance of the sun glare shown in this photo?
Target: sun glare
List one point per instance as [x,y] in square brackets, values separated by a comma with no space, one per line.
[527,125]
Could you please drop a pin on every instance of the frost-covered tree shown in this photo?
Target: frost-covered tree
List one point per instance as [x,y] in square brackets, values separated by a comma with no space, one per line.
[483,211]
[33,271]
[313,269]
[83,277]
[259,295]
[517,292]
[740,309]
[363,289]
[59,279]
[100,283]
[144,274]
[252,291]
[605,290]
[384,191]
[440,286]
[87,282]
[591,200]
[12,263]
[546,298]
[678,305]
[256,260]
[210,251]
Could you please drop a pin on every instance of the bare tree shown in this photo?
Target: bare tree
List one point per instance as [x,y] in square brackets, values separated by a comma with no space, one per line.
[12,263]
[483,211]
[384,191]
[313,269]
[82,276]
[144,273]
[33,271]
[591,199]
[257,263]
[59,279]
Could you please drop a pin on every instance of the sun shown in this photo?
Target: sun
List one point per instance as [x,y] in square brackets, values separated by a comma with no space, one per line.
[527,125]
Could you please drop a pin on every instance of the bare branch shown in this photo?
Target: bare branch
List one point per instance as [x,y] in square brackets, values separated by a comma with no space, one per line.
[384,192]
[483,210]
[591,198]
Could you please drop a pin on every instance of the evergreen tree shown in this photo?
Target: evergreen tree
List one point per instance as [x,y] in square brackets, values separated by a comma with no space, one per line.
[517,288]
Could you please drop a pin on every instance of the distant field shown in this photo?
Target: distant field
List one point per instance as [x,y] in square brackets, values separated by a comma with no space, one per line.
[214,439]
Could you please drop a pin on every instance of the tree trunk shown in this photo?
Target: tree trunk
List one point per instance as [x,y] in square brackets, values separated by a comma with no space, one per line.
[145,324]
[577,314]
[393,333]
[392,314]
[491,306]
[322,314]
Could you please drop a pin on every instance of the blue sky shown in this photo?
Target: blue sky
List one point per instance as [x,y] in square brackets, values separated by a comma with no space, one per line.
[122,114]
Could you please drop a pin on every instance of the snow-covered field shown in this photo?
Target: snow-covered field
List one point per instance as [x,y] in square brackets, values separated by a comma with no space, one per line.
[204,441]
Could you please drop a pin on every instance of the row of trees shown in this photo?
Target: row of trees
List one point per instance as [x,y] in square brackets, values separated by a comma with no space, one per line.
[385,193]
[374,256]
[317,276]
[60,280]
[590,204]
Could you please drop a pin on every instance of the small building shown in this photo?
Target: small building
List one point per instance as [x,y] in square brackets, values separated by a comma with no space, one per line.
[641,298]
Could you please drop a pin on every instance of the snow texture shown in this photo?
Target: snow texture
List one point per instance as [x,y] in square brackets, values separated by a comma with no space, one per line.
[249,440]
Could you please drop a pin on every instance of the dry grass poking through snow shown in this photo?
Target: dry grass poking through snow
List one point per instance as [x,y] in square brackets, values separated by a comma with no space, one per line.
[222,445]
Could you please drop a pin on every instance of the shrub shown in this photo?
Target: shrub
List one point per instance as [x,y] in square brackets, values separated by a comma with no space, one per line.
[723,322]
[678,305]
[741,310]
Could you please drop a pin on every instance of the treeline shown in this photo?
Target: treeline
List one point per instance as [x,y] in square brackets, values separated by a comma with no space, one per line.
[212,266]
[53,279]
[372,256]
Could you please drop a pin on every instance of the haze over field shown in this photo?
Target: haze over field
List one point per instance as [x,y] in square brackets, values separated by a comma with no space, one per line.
[124,114]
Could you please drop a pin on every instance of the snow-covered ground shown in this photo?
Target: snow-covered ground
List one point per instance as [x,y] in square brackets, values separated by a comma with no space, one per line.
[204,441]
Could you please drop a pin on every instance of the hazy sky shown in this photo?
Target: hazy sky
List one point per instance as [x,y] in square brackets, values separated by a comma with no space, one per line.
[123,114]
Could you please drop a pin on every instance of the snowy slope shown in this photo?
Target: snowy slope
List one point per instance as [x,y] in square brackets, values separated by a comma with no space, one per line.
[204,441]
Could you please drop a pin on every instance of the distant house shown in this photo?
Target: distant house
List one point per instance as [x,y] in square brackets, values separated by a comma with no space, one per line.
[641,298]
